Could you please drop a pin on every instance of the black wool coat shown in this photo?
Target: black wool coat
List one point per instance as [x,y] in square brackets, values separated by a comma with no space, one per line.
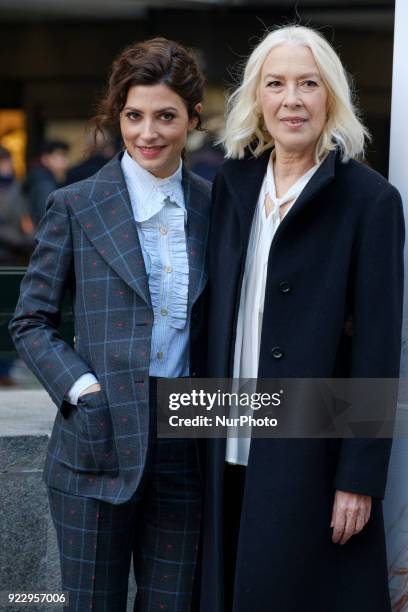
[338,253]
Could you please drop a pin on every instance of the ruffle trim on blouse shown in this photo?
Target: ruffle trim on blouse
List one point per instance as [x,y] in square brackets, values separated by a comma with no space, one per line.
[177,304]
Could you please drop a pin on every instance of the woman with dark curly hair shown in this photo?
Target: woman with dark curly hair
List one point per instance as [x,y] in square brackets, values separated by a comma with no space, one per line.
[129,244]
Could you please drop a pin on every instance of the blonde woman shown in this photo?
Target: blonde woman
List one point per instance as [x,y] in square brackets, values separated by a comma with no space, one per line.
[306,277]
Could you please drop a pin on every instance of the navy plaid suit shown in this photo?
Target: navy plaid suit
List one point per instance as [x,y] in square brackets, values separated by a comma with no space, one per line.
[88,244]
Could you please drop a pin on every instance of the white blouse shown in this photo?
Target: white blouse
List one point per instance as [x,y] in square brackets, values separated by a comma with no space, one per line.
[251,306]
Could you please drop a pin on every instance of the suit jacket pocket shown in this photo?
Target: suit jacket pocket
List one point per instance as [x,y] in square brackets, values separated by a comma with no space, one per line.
[86,438]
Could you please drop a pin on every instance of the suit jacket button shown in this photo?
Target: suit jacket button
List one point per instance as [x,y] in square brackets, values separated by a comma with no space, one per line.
[285,287]
[277,352]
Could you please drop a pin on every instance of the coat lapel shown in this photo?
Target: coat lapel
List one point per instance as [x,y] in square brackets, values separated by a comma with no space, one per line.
[102,207]
[197,200]
[244,179]
[319,180]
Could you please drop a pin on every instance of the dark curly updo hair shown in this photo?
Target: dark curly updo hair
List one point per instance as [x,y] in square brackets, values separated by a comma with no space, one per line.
[151,62]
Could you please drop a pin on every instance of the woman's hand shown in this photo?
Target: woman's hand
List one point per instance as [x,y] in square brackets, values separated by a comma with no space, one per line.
[351,512]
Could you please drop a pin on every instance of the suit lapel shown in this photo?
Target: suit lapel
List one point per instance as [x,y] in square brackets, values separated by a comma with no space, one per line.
[197,201]
[103,209]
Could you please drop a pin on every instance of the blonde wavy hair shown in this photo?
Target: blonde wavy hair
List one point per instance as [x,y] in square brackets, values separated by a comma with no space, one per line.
[244,123]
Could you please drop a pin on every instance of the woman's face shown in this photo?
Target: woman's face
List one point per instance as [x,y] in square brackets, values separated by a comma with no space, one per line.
[154,124]
[293,99]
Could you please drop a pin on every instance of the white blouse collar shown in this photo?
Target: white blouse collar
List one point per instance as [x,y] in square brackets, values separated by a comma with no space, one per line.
[148,192]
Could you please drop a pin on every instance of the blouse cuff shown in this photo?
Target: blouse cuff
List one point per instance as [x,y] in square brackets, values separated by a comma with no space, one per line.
[84,381]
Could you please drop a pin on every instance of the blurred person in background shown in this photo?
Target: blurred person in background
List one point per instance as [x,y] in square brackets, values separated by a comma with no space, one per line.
[101,149]
[205,156]
[16,234]
[46,175]
[16,228]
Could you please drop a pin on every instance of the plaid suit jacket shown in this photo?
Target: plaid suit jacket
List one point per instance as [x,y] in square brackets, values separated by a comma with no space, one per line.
[87,243]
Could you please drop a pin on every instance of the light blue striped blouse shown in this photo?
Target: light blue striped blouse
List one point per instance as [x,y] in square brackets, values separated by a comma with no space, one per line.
[161,216]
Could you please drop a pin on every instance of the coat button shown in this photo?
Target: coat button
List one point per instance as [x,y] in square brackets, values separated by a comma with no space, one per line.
[277,352]
[285,287]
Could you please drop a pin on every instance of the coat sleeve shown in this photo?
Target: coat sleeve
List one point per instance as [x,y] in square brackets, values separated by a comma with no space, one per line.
[378,277]
[34,326]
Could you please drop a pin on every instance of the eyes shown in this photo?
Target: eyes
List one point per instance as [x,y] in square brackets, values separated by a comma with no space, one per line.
[166,117]
[307,84]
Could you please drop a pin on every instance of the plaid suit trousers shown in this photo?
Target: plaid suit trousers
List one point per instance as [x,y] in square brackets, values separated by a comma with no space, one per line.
[159,526]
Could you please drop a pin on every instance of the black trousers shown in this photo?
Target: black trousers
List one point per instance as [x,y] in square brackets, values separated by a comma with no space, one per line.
[159,527]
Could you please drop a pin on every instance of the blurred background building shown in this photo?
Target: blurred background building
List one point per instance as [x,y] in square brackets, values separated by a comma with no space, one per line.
[55,57]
